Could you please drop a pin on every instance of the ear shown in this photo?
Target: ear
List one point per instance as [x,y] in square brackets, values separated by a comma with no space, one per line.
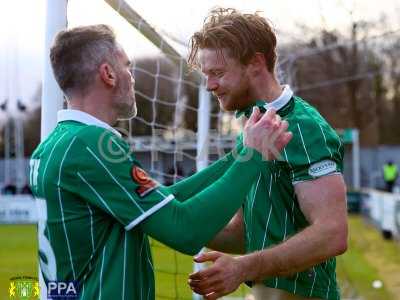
[257,63]
[107,75]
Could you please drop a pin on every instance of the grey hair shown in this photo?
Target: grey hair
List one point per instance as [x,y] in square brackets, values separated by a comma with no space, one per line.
[77,55]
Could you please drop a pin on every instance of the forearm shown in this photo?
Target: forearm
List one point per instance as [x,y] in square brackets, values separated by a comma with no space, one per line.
[313,245]
[231,238]
[192,185]
[188,226]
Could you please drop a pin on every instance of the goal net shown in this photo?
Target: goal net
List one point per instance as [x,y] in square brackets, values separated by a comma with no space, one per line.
[178,130]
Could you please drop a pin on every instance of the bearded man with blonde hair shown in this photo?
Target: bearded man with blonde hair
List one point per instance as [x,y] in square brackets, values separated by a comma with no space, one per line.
[294,220]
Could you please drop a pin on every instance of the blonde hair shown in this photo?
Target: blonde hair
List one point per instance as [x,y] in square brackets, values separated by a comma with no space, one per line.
[243,35]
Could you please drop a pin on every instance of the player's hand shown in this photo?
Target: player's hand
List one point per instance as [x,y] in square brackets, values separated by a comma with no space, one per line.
[222,278]
[266,133]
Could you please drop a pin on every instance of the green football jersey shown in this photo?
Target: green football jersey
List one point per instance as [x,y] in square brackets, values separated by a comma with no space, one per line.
[272,213]
[92,193]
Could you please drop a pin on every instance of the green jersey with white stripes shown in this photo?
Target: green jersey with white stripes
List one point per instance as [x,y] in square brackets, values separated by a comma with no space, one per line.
[272,213]
[94,190]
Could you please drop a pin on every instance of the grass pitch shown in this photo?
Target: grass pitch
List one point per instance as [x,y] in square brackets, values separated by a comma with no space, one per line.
[369,258]
[18,248]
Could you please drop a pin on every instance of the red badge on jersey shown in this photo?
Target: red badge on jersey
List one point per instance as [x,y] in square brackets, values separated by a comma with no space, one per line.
[145,183]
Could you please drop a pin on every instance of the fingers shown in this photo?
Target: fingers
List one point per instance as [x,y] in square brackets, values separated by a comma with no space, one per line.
[213,296]
[282,135]
[276,141]
[269,120]
[277,133]
[284,125]
[207,256]
[286,137]
[204,287]
[268,134]
[254,117]
[269,116]
[212,291]
[206,281]
[277,122]
[203,274]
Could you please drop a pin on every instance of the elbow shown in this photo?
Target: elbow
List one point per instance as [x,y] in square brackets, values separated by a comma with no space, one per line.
[337,239]
[340,246]
[191,250]
[189,245]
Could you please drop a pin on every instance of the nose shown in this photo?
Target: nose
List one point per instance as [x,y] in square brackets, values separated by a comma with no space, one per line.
[132,75]
[212,84]
[132,80]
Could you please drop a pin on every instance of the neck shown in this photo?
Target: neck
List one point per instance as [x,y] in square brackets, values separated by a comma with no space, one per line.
[266,88]
[96,106]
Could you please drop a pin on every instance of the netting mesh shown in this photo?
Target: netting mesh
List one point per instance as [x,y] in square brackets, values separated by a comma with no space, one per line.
[164,136]
[164,139]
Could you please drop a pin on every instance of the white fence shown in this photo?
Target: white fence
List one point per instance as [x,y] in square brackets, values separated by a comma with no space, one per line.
[383,209]
[18,209]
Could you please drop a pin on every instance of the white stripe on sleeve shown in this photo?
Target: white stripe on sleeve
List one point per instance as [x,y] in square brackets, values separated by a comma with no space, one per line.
[149,212]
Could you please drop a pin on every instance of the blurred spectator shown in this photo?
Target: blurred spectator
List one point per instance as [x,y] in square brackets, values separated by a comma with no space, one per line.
[390,174]
[26,190]
[173,177]
[9,189]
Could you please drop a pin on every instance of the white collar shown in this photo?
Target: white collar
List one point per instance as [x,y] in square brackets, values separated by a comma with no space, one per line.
[282,100]
[82,117]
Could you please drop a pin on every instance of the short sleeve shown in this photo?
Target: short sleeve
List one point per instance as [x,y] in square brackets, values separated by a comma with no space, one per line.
[103,172]
[314,151]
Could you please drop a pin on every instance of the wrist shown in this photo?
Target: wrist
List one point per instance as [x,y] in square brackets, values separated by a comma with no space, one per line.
[249,153]
[255,267]
[249,265]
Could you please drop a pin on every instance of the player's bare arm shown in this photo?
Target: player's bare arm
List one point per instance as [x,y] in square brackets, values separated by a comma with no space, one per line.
[231,238]
[323,202]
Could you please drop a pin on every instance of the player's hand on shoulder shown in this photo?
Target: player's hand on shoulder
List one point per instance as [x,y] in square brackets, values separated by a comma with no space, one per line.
[266,133]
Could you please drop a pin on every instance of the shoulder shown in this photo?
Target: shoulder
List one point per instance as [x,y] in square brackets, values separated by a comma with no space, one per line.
[102,144]
[305,115]
[307,124]
[56,142]
[94,135]
[313,137]
[90,132]
[76,143]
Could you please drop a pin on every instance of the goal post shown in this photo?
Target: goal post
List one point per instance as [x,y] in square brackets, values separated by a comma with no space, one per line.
[133,18]
[52,96]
